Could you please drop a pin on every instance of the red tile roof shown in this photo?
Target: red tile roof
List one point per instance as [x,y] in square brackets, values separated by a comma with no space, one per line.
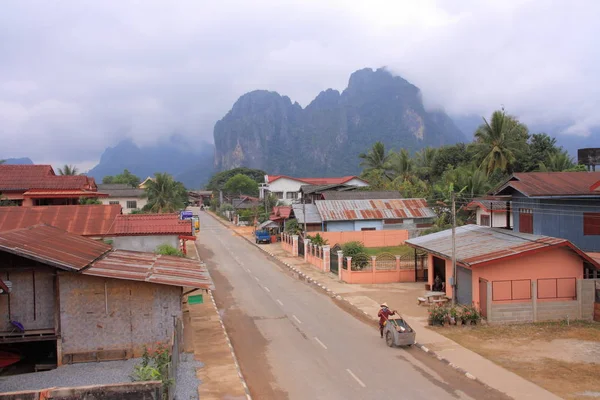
[150,224]
[26,177]
[540,184]
[87,220]
[43,193]
[53,246]
[281,212]
[153,268]
[315,181]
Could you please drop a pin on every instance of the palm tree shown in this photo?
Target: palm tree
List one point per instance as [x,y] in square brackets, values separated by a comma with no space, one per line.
[401,164]
[557,162]
[165,195]
[424,162]
[497,142]
[68,170]
[375,160]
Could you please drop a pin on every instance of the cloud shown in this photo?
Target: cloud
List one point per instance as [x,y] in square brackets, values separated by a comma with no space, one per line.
[76,77]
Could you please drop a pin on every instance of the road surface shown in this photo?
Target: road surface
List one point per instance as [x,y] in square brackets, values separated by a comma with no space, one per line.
[293,342]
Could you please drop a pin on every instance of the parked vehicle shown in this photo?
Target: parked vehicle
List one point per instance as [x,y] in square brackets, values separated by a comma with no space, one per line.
[262,237]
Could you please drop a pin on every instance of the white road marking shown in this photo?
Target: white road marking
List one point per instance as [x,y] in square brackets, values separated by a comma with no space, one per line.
[267,289]
[321,343]
[248,270]
[280,303]
[257,280]
[296,318]
[356,378]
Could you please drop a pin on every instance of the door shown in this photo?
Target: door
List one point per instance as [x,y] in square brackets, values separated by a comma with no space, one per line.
[333,259]
[464,288]
[483,297]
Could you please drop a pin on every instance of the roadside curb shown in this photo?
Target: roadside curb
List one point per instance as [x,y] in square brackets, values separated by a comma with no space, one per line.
[303,277]
[235,360]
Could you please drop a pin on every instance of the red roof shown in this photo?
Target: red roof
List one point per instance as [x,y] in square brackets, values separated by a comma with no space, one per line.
[43,193]
[345,210]
[53,246]
[85,220]
[595,187]
[315,181]
[150,224]
[26,177]
[539,184]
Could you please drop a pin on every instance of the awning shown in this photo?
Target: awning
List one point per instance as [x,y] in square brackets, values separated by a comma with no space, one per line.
[268,224]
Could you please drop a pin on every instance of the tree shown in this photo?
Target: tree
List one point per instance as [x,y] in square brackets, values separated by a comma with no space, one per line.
[68,170]
[241,184]
[424,161]
[2,161]
[401,164]
[541,147]
[453,155]
[557,162]
[89,200]
[165,194]
[124,178]
[219,180]
[376,160]
[498,142]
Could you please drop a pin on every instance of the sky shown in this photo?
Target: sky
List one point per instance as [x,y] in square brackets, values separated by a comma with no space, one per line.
[78,76]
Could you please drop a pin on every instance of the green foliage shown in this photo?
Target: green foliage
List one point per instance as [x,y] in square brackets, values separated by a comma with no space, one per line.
[470,314]
[168,250]
[292,227]
[242,185]
[138,211]
[89,200]
[437,314]
[214,203]
[318,240]
[145,373]
[218,180]
[557,161]
[351,249]
[68,170]
[124,178]
[165,194]
[225,207]
[154,366]
[376,161]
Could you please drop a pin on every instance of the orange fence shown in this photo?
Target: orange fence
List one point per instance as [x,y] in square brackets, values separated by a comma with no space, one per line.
[382,269]
[368,238]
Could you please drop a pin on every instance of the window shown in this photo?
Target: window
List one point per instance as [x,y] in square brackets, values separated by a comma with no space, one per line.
[113,202]
[393,221]
[279,195]
[525,220]
[591,223]
[291,195]
[131,204]
[484,220]
[367,229]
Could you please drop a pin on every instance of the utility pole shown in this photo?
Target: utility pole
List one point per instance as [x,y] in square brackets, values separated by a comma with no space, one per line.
[454,283]
[304,213]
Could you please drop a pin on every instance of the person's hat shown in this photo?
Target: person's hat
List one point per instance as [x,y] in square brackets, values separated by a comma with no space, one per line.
[383,305]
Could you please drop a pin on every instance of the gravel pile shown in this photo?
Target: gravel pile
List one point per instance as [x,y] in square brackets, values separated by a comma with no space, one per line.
[187,382]
[98,373]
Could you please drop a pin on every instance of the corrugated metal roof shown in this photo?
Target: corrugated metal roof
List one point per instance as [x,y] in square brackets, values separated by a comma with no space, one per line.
[540,184]
[487,205]
[153,268]
[309,189]
[344,210]
[280,212]
[150,224]
[27,177]
[86,220]
[315,181]
[121,190]
[312,214]
[52,246]
[360,195]
[480,244]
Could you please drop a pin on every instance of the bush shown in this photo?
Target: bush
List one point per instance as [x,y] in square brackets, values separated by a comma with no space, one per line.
[438,315]
[154,366]
[318,240]
[469,314]
[292,227]
[351,249]
[168,250]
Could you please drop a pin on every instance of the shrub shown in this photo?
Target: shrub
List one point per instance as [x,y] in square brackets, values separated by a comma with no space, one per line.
[292,227]
[438,314]
[470,314]
[168,250]
[318,240]
[351,249]
[154,366]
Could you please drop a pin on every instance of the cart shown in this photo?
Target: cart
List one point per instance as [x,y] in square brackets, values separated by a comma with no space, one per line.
[397,332]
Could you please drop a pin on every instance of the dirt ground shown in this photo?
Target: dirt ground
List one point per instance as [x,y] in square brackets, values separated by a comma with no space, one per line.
[564,359]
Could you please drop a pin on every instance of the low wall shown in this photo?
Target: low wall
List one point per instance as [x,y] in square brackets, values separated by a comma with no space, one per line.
[372,274]
[151,390]
[510,313]
[384,238]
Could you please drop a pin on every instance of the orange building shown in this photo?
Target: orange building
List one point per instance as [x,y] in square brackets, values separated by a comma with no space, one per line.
[38,185]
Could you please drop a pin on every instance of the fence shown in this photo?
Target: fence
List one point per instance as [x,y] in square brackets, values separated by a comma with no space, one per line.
[384,268]
[383,238]
[176,345]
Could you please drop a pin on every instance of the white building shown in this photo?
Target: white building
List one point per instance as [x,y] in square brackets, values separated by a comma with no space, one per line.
[287,189]
[129,198]
[490,213]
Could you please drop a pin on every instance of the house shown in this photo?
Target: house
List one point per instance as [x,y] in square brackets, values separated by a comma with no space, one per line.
[200,197]
[560,204]
[377,214]
[313,220]
[311,193]
[360,195]
[38,185]
[73,299]
[512,276]
[492,212]
[128,197]
[280,214]
[140,232]
[245,202]
[287,189]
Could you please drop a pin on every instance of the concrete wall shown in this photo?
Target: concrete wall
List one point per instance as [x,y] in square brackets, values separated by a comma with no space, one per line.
[360,225]
[99,314]
[384,238]
[150,390]
[144,243]
[141,202]
[340,226]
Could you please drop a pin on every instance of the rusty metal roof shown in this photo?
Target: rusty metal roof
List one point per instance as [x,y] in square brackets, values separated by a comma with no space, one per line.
[480,244]
[360,195]
[85,220]
[153,268]
[344,210]
[541,184]
[487,205]
[53,246]
[150,224]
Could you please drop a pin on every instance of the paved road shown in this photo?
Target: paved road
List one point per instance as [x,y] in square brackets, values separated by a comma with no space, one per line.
[296,343]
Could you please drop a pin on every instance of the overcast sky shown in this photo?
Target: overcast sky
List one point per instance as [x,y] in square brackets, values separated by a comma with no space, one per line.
[78,76]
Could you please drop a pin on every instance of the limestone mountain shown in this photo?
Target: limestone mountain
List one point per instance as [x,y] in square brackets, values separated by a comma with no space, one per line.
[265,130]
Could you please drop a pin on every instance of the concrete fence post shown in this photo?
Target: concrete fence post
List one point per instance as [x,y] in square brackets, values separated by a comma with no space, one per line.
[349,266]
[398,269]
[534,299]
[373,268]
[295,245]
[340,263]
[306,249]
[488,304]
[579,299]
[326,258]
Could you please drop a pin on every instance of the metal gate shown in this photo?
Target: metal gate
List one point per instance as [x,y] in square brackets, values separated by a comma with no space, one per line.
[300,247]
[464,288]
[334,259]
[483,297]
[597,303]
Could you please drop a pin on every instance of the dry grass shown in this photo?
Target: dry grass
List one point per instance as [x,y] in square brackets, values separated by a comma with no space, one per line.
[506,345]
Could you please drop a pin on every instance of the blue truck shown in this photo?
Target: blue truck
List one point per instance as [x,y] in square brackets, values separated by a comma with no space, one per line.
[262,237]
